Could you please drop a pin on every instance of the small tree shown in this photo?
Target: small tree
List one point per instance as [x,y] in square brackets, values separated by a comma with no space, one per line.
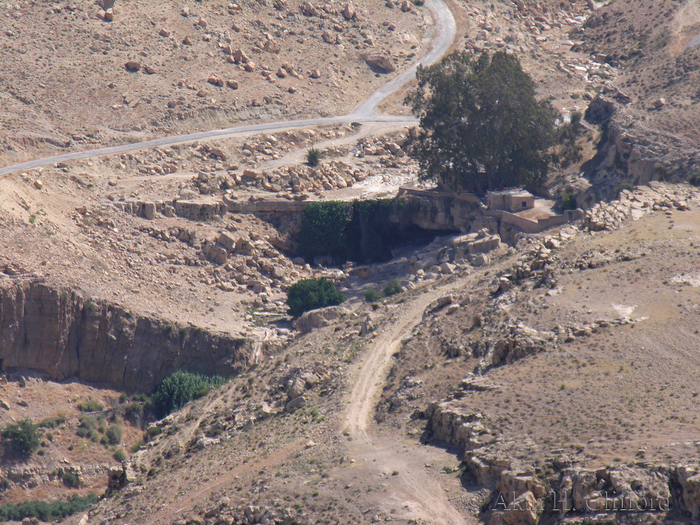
[481,126]
[309,294]
[22,437]
[313,157]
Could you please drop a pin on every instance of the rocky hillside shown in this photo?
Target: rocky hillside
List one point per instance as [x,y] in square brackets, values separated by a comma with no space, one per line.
[118,72]
[654,103]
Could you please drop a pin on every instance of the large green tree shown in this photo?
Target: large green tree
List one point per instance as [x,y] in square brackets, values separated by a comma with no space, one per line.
[481,125]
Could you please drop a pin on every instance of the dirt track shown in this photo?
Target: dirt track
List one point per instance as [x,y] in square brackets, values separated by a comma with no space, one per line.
[414,489]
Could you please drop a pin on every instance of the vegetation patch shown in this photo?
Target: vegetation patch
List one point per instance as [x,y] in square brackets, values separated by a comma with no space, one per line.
[45,510]
[21,437]
[310,294]
[180,388]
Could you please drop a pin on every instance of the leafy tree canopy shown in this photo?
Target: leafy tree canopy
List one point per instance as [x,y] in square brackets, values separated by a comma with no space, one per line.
[482,128]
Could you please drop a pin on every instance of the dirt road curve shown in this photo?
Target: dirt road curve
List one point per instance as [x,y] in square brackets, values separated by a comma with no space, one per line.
[415,490]
[365,113]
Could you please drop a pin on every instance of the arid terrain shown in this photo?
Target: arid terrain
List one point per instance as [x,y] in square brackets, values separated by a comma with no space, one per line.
[518,378]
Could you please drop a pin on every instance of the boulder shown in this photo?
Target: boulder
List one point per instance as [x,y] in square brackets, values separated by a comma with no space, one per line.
[297,389]
[295,403]
[239,57]
[308,10]
[133,66]
[319,318]
[481,260]
[226,240]
[349,12]
[381,63]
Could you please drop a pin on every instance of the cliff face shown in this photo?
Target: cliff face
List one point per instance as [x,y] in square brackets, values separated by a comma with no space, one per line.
[64,335]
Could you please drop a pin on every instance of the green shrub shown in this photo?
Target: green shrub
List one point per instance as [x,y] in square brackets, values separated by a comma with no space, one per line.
[309,294]
[313,157]
[87,426]
[45,510]
[323,226]
[52,422]
[569,201]
[137,446]
[70,479]
[114,434]
[91,406]
[179,389]
[624,186]
[154,431]
[4,484]
[119,455]
[372,296]
[392,288]
[21,437]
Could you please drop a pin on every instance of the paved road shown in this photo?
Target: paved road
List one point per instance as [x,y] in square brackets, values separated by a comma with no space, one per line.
[366,112]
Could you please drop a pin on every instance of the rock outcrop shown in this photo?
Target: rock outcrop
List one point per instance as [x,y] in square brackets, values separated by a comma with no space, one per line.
[64,335]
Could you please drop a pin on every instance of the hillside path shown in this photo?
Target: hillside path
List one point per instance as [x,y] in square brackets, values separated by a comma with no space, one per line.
[415,490]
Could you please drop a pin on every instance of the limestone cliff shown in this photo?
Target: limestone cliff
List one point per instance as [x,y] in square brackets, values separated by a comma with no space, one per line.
[64,335]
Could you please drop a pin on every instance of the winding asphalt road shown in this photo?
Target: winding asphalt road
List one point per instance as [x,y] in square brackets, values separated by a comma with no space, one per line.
[365,113]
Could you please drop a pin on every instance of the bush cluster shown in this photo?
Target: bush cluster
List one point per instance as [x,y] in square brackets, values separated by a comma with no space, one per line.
[45,510]
[393,287]
[180,388]
[22,437]
[309,294]
[91,406]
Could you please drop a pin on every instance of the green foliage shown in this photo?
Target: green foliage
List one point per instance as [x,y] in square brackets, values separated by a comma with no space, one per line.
[119,455]
[393,287]
[46,511]
[114,434]
[179,389]
[569,201]
[309,294]
[624,186]
[22,437]
[154,431]
[137,446]
[481,126]
[52,422]
[323,229]
[372,296]
[313,157]
[376,229]
[87,427]
[91,405]
[70,479]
